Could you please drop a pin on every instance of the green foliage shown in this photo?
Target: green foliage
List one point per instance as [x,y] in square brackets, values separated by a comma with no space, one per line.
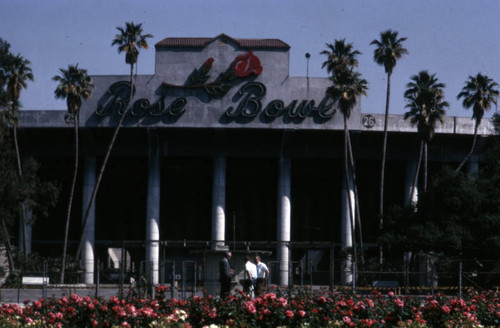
[449,218]
[389,50]
[33,264]
[457,218]
[5,57]
[130,40]
[347,86]
[425,100]
[74,85]
[479,93]
[340,56]
[11,192]
[16,190]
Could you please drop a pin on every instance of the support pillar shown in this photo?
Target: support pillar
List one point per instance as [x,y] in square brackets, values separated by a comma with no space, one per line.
[346,231]
[411,168]
[284,219]
[153,210]
[473,167]
[25,213]
[29,229]
[87,254]
[219,202]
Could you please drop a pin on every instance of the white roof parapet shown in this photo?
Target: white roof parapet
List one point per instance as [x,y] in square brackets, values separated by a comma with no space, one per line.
[452,124]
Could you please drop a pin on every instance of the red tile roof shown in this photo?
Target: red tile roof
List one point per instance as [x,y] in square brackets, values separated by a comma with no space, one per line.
[203,42]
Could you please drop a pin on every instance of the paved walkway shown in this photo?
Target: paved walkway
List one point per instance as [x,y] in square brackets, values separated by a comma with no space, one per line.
[19,295]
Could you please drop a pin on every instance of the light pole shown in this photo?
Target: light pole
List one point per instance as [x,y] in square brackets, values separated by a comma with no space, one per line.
[308,55]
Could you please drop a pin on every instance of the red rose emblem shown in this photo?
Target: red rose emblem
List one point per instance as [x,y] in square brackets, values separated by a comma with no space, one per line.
[247,64]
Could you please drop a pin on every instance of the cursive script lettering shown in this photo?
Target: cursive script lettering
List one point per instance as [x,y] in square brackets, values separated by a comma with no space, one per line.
[249,98]
[142,107]
[250,105]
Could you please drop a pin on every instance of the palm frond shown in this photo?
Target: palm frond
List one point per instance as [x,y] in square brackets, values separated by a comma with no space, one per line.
[129,40]
[425,99]
[478,93]
[74,85]
[388,50]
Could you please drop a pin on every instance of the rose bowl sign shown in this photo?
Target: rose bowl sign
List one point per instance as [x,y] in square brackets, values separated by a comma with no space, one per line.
[243,105]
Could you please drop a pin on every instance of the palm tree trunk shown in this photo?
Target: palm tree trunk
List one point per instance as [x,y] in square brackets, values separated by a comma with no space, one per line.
[70,201]
[348,186]
[425,165]
[8,247]
[471,149]
[23,205]
[382,167]
[417,171]
[356,199]
[104,163]
[384,151]
[18,154]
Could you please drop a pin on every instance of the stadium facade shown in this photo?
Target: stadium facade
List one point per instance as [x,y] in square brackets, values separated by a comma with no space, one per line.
[221,145]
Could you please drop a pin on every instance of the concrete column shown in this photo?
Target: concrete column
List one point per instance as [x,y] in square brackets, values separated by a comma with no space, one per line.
[29,229]
[473,166]
[346,231]
[411,167]
[219,201]
[89,181]
[284,219]
[28,216]
[153,211]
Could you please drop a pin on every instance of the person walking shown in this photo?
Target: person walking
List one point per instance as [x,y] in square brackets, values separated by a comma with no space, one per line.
[225,275]
[250,276]
[262,275]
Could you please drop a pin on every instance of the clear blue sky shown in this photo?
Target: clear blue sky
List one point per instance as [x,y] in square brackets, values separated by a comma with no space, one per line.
[452,38]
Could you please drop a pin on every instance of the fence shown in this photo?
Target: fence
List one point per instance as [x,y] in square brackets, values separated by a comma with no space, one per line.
[311,265]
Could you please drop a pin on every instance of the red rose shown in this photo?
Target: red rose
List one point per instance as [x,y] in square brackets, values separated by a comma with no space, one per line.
[247,64]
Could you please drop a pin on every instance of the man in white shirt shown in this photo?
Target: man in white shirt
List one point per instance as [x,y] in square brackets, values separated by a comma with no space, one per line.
[262,274]
[250,275]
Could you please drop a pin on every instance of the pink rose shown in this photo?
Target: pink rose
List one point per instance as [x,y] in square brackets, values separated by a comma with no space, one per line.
[282,301]
[250,307]
[247,64]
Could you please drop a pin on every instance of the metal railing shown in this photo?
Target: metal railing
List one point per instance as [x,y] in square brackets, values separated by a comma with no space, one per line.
[312,265]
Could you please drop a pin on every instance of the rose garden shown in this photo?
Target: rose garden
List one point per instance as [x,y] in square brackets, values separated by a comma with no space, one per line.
[297,308]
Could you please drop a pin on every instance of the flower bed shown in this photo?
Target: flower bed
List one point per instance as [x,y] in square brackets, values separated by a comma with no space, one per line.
[270,310]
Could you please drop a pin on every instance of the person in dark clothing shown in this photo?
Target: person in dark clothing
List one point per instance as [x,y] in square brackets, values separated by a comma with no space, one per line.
[225,275]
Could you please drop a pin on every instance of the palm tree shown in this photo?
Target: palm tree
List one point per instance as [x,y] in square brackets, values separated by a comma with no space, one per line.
[347,86]
[389,50]
[425,100]
[342,56]
[74,85]
[5,58]
[479,93]
[129,40]
[18,74]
